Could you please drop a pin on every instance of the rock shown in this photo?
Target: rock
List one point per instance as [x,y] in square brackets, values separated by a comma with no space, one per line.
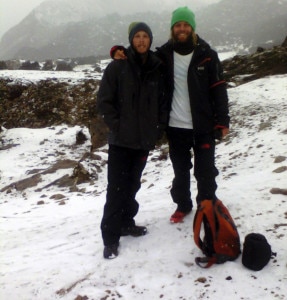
[28,65]
[49,103]
[24,184]
[81,298]
[98,132]
[278,191]
[279,159]
[280,169]
[81,138]
[48,65]
[261,63]
[284,44]
[3,65]
[60,164]
[201,279]
[57,197]
[63,66]
[80,174]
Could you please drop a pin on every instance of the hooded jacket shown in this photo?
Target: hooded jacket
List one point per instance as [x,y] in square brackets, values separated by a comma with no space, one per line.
[207,89]
[132,102]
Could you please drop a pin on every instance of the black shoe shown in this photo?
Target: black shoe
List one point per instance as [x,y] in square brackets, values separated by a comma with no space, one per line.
[134,230]
[111,251]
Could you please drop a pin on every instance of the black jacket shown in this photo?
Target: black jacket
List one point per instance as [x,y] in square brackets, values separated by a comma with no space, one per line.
[132,101]
[207,89]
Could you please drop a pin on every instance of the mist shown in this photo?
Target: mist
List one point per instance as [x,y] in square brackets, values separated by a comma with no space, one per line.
[13,12]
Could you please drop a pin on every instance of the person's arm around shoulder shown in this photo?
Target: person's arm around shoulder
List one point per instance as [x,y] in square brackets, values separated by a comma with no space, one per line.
[118,52]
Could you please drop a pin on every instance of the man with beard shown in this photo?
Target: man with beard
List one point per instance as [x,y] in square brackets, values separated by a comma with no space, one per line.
[198,110]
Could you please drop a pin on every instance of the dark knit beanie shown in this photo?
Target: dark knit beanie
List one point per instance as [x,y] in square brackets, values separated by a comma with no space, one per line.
[139,26]
[256,252]
[183,14]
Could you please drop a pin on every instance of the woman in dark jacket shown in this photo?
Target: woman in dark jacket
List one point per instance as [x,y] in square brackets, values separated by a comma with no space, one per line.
[131,101]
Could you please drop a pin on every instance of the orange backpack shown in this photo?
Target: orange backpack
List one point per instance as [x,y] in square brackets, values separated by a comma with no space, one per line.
[221,240]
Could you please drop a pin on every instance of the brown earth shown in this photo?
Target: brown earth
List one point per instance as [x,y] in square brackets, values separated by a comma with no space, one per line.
[49,102]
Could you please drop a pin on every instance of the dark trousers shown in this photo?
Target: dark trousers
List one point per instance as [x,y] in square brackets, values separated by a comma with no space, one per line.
[125,167]
[181,141]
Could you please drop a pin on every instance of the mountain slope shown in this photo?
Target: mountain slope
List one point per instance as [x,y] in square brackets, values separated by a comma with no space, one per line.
[52,247]
[67,29]
[245,24]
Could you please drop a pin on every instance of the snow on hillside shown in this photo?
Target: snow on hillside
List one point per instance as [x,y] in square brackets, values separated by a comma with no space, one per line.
[79,73]
[65,11]
[54,251]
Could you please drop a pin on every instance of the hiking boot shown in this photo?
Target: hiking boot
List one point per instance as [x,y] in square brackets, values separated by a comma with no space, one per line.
[178,216]
[134,231]
[111,251]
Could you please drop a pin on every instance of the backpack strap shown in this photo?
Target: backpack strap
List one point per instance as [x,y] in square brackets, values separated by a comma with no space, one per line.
[203,262]
[198,220]
[206,205]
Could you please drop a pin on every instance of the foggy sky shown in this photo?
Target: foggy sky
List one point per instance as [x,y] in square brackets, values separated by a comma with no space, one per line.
[14,11]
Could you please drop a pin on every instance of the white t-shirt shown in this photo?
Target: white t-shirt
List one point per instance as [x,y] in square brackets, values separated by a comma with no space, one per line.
[180,115]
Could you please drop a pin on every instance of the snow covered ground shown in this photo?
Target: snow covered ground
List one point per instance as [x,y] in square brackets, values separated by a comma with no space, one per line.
[54,250]
[80,73]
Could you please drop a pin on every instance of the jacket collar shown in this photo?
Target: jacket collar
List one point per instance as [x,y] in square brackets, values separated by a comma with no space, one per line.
[151,63]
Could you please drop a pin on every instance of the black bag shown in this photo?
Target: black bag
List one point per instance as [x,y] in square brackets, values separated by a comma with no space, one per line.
[256,252]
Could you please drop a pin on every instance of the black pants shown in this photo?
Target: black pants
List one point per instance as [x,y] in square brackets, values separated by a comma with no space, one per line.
[181,141]
[125,167]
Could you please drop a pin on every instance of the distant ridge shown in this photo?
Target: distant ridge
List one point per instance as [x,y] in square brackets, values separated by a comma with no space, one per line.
[59,29]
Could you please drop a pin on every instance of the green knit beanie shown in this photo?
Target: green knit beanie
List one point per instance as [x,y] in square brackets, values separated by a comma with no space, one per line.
[183,14]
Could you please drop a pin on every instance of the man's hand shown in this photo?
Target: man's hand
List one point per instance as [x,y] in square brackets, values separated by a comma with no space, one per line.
[220,132]
[224,132]
[119,54]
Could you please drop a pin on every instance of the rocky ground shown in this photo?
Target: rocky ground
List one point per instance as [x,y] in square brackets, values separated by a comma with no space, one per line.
[51,102]
[53,190]
[241,69]
[59,168]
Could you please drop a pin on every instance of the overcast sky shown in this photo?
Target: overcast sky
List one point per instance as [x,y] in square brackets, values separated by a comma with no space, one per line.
[14,11]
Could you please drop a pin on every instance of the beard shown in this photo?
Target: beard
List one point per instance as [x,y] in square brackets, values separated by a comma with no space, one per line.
[185,46]
[176,38]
